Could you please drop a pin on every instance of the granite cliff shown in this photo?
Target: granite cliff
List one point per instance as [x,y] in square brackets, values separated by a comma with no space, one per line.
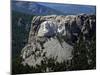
[55,36]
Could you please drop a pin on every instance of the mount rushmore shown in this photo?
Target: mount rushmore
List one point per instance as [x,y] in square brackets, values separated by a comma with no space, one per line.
[55,36]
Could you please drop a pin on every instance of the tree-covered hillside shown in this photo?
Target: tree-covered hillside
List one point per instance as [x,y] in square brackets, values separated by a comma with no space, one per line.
[20,29]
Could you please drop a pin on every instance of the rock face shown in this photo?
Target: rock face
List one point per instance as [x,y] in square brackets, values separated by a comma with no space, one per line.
[54,36]
[47,28]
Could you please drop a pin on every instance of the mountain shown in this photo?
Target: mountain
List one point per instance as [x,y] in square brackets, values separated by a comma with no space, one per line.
[33,8]
[44,42]
[56,36]
[71,8]
[72,46]
[41,8]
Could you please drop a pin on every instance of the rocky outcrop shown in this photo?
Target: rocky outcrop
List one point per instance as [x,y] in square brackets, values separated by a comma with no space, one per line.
[54,36]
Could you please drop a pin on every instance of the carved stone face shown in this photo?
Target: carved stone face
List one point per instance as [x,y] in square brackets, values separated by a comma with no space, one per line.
[47,28]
